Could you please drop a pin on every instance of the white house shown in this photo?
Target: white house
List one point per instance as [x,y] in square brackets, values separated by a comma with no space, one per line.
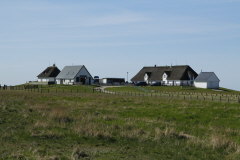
[166,75]
[49,75]
[207,80]
[72,75]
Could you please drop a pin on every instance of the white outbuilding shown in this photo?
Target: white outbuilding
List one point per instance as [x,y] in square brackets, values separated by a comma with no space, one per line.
[207,80]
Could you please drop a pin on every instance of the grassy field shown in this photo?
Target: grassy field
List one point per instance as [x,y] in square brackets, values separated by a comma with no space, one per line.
[192,93]
[86,125]
[172,89]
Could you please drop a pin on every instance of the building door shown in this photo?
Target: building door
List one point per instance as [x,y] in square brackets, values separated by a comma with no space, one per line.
[78,79]
[61,81]
[83,79]
[89,81]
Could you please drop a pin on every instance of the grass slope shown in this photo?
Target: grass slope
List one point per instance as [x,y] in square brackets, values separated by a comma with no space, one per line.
[98,126]
[172,89]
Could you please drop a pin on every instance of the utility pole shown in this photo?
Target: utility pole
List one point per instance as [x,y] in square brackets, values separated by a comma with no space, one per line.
[127,76]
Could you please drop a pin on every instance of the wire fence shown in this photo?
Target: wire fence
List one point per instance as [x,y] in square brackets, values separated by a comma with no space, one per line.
[229,98]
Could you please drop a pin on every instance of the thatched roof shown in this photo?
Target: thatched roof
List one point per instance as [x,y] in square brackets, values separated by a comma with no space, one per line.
[173,72]
[50,72]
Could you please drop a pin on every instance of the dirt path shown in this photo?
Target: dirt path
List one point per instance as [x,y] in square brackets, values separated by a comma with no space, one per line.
[103,89]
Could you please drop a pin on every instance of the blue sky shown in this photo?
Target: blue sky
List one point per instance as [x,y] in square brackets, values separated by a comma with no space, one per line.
[114,37]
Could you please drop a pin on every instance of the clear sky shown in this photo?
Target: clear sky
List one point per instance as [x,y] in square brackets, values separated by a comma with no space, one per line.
[113,37]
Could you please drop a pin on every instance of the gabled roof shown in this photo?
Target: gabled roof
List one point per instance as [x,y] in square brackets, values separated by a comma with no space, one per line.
[69,72]
[50,72]
[173,72]
[206,76]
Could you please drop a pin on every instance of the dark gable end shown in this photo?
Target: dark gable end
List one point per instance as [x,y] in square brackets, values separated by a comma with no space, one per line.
[52,71]
[173,72]
[188,70]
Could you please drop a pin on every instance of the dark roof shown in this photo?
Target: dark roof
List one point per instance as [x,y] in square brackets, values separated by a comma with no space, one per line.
[51,71]
[205,77]
[173,72]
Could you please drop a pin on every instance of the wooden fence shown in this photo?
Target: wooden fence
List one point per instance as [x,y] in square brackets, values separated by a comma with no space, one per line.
[229,98]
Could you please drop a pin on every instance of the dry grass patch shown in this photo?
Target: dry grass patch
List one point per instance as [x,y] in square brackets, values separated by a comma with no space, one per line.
[222,142]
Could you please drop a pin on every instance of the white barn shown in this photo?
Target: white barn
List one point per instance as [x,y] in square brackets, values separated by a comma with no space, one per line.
[207,80]
[72,75]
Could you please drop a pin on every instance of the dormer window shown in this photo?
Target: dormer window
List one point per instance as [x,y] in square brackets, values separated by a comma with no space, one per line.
[147,76]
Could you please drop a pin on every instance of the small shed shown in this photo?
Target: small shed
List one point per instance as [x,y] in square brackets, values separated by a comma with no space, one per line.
[49,75]
[207,80]
[112,81]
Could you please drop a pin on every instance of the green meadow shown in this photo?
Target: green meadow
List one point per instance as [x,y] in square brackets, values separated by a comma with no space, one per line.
[64,123]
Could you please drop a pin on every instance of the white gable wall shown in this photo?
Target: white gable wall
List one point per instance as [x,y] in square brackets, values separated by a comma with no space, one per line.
[84,72]
[146,78]
[213,84]
[213,78]
[164,78]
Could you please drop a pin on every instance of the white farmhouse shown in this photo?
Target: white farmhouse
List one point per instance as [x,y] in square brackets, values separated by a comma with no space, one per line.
[49,75]
[207,80]
[166,75]
[72,75]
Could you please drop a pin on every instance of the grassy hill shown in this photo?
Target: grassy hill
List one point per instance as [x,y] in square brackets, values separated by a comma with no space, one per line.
[172,89]
[80,124]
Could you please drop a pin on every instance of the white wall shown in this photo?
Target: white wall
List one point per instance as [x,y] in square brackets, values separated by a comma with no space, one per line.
[46,79]
[104,81]
[164,78]
[209,85]
[201,84]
